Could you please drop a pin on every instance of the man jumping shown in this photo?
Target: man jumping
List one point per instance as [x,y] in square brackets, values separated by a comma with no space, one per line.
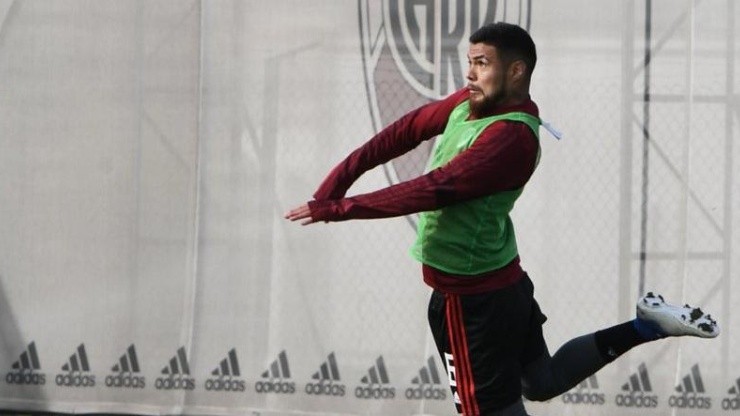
[486,323]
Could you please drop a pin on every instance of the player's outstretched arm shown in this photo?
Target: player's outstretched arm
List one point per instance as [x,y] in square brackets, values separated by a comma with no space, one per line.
[395,140]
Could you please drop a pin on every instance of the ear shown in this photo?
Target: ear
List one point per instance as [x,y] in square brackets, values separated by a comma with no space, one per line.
[518,70]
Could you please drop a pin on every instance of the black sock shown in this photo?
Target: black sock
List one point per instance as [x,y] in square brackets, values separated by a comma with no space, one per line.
[615,341]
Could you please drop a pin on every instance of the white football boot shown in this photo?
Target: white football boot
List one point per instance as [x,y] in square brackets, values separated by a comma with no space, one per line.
[671,320]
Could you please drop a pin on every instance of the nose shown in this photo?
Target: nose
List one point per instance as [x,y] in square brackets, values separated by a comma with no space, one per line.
[471,74]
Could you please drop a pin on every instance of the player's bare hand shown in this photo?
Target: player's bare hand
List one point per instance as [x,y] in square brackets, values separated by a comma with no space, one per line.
[302,212]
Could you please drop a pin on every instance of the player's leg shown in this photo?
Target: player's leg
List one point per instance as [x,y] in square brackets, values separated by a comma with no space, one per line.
[438,326]
[547,377]
[480,339]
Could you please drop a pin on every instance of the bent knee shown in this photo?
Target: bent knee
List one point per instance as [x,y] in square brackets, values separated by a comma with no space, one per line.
[538,395]
[543,387]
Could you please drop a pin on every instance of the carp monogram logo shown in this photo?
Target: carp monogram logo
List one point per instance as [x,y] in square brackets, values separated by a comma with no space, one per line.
[414,51]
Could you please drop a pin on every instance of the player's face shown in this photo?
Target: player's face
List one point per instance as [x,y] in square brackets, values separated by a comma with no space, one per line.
[486,78]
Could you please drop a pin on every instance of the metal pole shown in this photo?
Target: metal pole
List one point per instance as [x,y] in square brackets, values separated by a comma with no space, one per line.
[645,147]
[729,139]
[624,310]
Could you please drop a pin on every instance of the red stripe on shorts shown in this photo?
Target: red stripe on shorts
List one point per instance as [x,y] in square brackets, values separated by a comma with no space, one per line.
[460,355]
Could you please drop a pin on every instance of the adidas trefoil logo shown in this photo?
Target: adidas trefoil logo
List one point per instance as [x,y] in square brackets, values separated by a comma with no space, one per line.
[25,371]
[586,393]
[376,383]
[691,390]
[127,372]
[636,389]
[274,378]
[327,379]
[225,377]
[733,401]
[428,384]
[75,371]
[176,375]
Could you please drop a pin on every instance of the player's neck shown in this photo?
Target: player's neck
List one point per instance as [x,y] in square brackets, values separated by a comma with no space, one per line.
[501,106]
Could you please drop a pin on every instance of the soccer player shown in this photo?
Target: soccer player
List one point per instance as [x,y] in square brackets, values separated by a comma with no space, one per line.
[486,323]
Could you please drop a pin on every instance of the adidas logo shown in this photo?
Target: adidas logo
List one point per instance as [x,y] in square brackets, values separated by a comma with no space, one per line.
[585,394]
[327,379]
[732,403]
[639,382]
[25,370]
[375,381]
[74,371]
[275,377]
[735,390]
[127,372]
[692,383]
[589,383]
[178,364]
[224,377]
[176,375]
[635,390]
[691,388]
[427,383]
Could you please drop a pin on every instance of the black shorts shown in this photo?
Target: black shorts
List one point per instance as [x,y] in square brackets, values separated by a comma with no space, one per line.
[484,341]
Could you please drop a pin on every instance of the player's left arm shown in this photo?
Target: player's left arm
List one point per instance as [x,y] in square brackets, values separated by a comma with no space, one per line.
[502,158]
[398,138]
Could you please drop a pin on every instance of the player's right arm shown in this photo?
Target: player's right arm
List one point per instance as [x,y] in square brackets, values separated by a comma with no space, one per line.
[395,140]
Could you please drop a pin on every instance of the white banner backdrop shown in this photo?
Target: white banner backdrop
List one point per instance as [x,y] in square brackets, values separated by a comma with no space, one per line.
[148,150]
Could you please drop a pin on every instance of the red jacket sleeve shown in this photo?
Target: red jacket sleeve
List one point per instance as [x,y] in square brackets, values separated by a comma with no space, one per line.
[398,138]
[502,158]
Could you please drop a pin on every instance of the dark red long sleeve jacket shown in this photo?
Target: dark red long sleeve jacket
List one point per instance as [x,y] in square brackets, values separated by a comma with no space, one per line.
[502,158]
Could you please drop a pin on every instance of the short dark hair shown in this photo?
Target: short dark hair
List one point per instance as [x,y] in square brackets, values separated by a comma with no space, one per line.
[511,41]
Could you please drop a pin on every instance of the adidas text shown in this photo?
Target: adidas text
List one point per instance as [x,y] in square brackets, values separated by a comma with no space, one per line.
[225,384]
[428,393]
[636,400]
[174,383]
[690,402]
[584,398]
[325,389]
[282,387]
[125,380]
[731,403]
[75,380]
[28,378]
[376,392]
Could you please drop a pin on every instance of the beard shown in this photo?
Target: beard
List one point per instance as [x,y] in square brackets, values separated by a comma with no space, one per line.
[484,107]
